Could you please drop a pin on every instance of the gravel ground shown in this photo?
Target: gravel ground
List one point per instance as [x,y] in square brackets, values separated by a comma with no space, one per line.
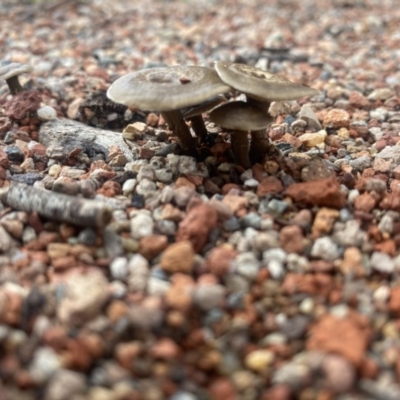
[210,281]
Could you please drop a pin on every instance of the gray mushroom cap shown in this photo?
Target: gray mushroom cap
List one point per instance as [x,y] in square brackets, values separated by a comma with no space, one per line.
[14,69]
[241,116]
[261,85]
[167,88]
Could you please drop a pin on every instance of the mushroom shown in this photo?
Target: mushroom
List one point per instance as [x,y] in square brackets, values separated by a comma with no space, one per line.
[168,90]
[193,114]
[10,73]
[240,117]
[260,87]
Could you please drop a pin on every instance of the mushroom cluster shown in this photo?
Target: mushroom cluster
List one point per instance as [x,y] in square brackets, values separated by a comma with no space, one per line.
[186,92]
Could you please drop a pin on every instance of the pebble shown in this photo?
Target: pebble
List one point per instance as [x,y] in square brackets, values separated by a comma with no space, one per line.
[326,249]
[44,364]
[178,257]
[382,262]
[85,295]
[247,265]
[141,225]
[47,113]
[119,268]
[207,296]
[65,384]
[307,114]
[259,360]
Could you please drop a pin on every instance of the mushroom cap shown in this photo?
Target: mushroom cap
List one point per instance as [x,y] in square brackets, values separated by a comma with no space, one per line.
[13,69]
[259,84]
[241,116]
[203,107]
[167,88]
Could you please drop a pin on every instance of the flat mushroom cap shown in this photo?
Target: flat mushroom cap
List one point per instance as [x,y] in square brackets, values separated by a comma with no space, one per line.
[14,69]
[204,107]
[167,88]
[241,116]
[261,85]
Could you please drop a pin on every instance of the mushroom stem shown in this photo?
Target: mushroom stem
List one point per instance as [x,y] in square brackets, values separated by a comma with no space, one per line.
[260,144]
[178,125]
[14,85]
[240,148]
[199,128]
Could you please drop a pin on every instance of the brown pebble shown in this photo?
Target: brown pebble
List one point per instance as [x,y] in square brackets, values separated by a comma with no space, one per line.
[323,221]
[197,225]
[324,192]
[348,336]
[336,118]
[365,202]
[291,239]
[219,261]
[152,245]
[178,257]
[165,348]
[269,185]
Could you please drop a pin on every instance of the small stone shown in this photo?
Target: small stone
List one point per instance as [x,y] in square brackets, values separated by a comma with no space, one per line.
[326,249]
[336,118]
[197,225]
[380,94]
[178,257]
[220,260]
[152,245]
[339,375]
[382,262]
[247,265]
[119,268]
[65,384]
[313,139]
[44,364]
[324,192]
[365,202]
[85,295]
[207,296]
[327,335]
[307,114]
[47,113]
[269,185]
[259,360]
[292,240]
[352,263]
[141,225]
[324,220]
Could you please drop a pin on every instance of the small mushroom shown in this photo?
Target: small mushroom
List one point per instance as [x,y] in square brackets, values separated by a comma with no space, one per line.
[168,90]
[261,88]
[193,114]
[10,74]
[240,117]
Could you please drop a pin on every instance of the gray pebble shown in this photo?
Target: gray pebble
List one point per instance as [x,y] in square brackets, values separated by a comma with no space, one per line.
[277,207]
[349,235]
[129,186]
[247,265]
[182,195]
[326,249]
[361,163]
[166,227]
[265,240]
[28,235]
[146,187]
[164,175]
[141,225]
[157,286]
[44,364]
[208,296]
[252,220]
[119,268]
[307,114]
[386,224]
[146,172]
[65,384]
[382,262]
[187,165]
[232,224]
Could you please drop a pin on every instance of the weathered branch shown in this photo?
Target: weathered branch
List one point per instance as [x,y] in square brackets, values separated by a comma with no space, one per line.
[56,206]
